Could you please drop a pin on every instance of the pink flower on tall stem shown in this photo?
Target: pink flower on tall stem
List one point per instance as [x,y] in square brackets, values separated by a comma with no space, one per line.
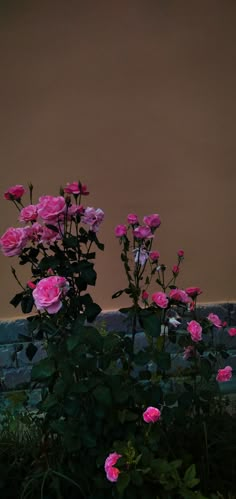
[51,207]
[29,213]
[49,292]
[160,299]
[195,330]
[193,291]
[142,232]
[152,221]
[232,331]
[14,193]
[93,217]
[132,219]
[175,270]
[224,374]
[151,415]
[179,295]
[120,230]
[112,472]
[154,255]
[215,320]
[13,241]
[76,188]
[180,253]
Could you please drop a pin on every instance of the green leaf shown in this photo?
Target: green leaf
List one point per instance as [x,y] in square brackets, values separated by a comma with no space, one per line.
[190,479]
[136,478]
[52,227]
[43,370]
[31,351]
[150,322]
[27,303]
[163,360]
[205,368]
[91,311]
[123,482]
[17,299]
[103,395]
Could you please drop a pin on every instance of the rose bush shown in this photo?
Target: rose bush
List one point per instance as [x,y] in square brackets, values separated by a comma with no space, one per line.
[113,412]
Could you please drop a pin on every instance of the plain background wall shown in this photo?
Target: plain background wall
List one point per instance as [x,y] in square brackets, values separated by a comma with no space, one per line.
[137,99]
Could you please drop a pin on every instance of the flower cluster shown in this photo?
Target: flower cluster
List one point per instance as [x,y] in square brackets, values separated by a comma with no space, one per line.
[51,227]
[48,219]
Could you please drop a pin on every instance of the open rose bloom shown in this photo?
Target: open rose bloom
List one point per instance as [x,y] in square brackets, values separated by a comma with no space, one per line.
[112,472]
[14,193]
[49,292]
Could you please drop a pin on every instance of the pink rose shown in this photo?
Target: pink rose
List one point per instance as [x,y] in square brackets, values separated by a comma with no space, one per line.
[132,219]
[14,193]
[50,208]
[151,415]
[193,292]
[224,374]
[179,295]
[49,236]
[93,218]
[180,253]
[76,188]
[29,213]
[142,232]
[13,241]
[160,299]
[175,270]
[145,295]
[112,472]
[154,255]
[195,329]
[232,331]
[189,352]
[153,220]
[48,293]
[120,230]
[74,210]
[215,320]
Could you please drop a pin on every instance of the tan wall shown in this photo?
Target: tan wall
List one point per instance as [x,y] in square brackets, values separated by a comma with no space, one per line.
[137,99]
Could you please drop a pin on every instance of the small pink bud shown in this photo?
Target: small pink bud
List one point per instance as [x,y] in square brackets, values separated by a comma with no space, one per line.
[31,285]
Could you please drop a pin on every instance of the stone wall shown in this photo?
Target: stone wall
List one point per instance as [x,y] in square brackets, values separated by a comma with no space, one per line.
[15,367]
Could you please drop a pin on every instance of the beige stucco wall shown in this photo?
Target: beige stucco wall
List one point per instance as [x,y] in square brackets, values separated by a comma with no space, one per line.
[137,99]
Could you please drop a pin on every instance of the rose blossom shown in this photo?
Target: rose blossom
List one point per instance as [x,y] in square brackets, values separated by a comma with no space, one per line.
[179,295]
[93,218]
[132,219]
[180,253]
[193,291]
[224,374]
[29,213]
[195,329]
[215,320]
[160,299]
[112,472]
[13,241]
[74,210]
[153,220]
[48,293]
[141,255]
[120,230]
[49,236]
[154,255]
[142,232]
[232,331]
[51,207]
[76,188]
[14,193]
[151,415]
[175,270]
